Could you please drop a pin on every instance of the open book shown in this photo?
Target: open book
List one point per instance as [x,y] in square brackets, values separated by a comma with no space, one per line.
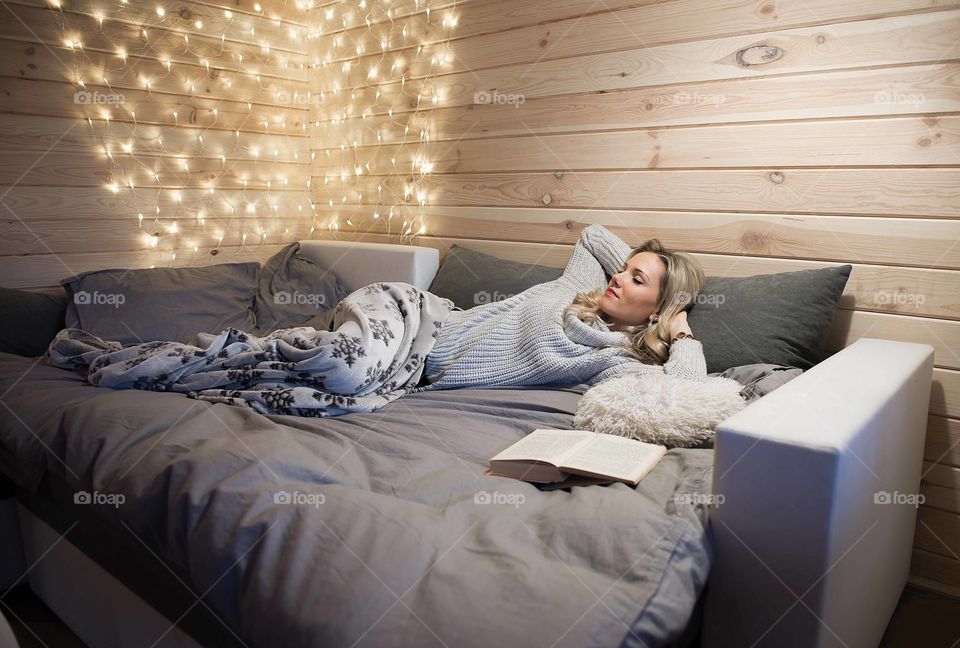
[546,456]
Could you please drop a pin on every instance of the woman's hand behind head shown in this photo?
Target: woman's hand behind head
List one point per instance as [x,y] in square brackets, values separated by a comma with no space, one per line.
[679,325]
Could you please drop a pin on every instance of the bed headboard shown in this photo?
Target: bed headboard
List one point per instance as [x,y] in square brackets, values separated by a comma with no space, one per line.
[358,264]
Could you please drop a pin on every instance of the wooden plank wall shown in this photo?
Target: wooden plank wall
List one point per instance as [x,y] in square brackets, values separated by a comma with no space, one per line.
[761,136]
[57,216]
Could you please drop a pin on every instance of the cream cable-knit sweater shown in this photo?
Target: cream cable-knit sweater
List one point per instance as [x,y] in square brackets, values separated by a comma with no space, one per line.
[522,340]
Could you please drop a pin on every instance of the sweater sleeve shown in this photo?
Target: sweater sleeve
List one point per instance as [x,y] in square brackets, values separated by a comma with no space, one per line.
[597,252]
[686,361]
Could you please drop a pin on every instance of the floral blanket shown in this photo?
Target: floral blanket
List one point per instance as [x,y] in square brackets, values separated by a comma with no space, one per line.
[374,353]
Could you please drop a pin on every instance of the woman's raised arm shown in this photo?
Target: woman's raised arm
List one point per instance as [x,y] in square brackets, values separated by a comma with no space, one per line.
[597,252]
[686,361]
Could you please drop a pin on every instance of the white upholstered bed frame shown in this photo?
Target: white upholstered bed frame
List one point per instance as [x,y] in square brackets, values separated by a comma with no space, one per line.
[803,555]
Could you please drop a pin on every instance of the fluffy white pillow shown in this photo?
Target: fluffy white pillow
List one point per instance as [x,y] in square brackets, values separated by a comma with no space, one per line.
[659,408]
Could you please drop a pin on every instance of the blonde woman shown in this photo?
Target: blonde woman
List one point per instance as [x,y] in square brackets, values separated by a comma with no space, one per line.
[389,337]
[579,328]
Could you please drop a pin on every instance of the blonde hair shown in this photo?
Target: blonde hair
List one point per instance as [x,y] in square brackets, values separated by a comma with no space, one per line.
[682,281]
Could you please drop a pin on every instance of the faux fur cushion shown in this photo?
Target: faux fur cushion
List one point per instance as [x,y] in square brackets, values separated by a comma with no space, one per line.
[659,408]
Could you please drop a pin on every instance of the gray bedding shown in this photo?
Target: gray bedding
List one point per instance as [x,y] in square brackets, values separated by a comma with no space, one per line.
[373,529]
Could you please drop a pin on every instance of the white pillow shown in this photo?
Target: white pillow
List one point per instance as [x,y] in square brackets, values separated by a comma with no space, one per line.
[659,408]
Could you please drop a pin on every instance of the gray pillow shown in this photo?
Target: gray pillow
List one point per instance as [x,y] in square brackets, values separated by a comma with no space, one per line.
[294,291]
[133,306]
[29,321]
[780,319]
[469,278]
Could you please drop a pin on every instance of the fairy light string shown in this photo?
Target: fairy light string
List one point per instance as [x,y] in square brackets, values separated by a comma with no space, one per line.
[209,130]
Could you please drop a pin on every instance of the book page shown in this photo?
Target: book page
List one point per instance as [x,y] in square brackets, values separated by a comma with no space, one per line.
[619,457]
[551,446]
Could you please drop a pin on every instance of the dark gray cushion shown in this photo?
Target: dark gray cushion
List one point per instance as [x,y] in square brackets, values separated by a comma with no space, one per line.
[29,321]
[469,278]
[781,319]
[133,306]
[294,291]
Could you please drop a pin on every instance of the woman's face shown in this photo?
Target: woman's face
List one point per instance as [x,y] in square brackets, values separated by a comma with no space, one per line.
[631,296]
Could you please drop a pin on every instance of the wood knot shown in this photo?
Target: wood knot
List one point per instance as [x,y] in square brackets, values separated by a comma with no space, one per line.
[547,199]
[30,51]
[758,55]
[558,175]
[214,252]
[753,241]
[543,43]
[775,177]
[925,142]
[768,9]
[821,39]
[568,224]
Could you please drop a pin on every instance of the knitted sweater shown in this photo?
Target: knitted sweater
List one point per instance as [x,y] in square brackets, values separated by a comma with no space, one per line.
[523,341]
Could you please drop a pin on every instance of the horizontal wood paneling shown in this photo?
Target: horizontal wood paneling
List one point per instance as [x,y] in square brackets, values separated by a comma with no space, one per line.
[92,204]
[945,393]
[938,532]
[943,441]
[51,62]
[233,159]
[93,169]
[920,242]
[862,142]
[944,336]
[75,236]
[245,25]
[899,40]
[935,569]
[919,89]
[33,25]
[49,269]
[55,99]
[32,133]
[916,192]
[734,245]
[493,34]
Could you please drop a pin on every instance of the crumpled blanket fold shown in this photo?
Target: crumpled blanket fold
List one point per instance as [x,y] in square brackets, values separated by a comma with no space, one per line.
[373,354]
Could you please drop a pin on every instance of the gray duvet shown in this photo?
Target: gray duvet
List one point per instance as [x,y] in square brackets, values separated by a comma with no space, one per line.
[372,529]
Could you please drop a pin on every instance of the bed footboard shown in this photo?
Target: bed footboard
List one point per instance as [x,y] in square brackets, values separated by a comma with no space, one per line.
[815,502]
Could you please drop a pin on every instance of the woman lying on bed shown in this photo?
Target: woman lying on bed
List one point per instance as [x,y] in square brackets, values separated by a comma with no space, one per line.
[626,325]
[387,338]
